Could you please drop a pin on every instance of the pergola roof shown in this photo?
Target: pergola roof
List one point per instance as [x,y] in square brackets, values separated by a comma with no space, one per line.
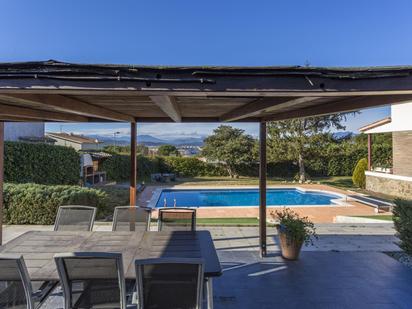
[56,91]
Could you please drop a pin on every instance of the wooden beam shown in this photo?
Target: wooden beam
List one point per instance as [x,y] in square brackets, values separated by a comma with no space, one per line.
[133,163]
[168,105]
[19,119]
[345,105]
[28,113]
[68,105]
[262,189]
[264,105]
[1,179]
[15,112]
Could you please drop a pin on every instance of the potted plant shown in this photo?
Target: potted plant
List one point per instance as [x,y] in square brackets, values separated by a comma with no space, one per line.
[293,231]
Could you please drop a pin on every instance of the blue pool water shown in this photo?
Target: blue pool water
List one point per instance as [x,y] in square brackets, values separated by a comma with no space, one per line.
[241,197]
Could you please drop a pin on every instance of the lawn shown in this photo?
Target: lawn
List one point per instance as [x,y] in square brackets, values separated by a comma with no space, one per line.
[343,182]
[378,217]
[228,221]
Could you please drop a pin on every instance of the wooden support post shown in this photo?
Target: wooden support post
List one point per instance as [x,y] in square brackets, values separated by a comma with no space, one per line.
[1,178]
[262,189]
[133,172]
[369,152]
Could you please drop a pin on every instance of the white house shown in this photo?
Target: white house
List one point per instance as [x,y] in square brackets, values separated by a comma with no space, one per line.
[77,142]
[398,181]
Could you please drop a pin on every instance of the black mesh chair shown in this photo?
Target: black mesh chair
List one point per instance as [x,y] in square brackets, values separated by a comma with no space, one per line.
[131,218]
[75,218]
[92,280]
[15,287]
[172,283]
[177,219]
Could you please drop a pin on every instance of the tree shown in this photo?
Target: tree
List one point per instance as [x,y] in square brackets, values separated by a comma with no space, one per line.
[301,139]
[230,147]
[142,149]
[358,177]
[167,150]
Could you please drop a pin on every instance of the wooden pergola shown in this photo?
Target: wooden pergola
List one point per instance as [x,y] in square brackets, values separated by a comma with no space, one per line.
[64,92]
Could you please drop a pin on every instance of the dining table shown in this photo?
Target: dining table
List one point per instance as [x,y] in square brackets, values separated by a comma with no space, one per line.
[39,247]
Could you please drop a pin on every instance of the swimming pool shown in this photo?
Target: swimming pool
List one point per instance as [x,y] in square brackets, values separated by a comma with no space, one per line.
[244,197]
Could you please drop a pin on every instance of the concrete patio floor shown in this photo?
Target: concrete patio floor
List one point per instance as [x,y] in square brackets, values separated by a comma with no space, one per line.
[345,269]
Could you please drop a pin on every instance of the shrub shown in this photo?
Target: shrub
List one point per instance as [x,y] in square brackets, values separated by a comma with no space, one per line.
[117,167]
[299,229]
[402,217]
[358,177]
[37,204]
[40,163]
[192,167]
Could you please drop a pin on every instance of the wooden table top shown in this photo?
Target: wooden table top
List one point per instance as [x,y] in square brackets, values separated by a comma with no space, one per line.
[39,247]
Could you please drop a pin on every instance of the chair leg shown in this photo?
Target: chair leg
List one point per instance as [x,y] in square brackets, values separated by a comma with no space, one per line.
[209,293]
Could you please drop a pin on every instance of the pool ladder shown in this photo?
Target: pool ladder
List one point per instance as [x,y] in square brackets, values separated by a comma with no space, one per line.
[165,202]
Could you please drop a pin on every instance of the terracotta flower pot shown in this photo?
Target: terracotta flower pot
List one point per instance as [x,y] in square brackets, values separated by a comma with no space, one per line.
[290,247]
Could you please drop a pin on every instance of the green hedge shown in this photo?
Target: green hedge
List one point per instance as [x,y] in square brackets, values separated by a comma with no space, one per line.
[40,163]
[191,167]
[402,217]
[117,167]
[37,204]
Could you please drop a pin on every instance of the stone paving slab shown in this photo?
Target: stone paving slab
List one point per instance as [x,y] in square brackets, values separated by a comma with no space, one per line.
[332,237]
[317,280]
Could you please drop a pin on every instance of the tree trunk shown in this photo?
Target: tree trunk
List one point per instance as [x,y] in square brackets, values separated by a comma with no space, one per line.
[302,174]
[230,172]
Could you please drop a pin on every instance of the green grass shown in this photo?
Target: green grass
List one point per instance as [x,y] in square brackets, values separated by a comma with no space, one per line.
[377,217]
[343,182]
[228,221]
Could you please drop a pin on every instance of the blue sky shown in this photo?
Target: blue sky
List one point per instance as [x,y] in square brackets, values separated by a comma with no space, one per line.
[323,33]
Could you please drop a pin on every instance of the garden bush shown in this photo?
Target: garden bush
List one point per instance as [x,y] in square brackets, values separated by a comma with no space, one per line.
[118,167]
[358,177]
[402,217]
[40,163]
[192,167]
[37,204]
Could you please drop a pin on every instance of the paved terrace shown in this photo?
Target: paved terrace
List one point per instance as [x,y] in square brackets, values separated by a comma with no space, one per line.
[345,269]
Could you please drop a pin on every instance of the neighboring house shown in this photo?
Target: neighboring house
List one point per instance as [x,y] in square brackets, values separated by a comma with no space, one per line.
[398,180]
[188,151]
[24,131]
[77,142]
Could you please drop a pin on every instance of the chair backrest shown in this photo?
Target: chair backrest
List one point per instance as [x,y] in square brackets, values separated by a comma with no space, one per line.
[15,286]
[177,219]
[169,283]
[75,218]
[92,278]
[131,218]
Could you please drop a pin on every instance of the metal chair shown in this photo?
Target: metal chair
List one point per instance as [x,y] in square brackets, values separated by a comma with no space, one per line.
[15,287]
[131,218]
[92,279]
[169,283]
[75,218]
[177,219]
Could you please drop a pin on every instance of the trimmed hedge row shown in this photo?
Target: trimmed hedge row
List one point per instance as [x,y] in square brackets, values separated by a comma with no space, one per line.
[37,204]
[117,167]
[40,163]
[402,217]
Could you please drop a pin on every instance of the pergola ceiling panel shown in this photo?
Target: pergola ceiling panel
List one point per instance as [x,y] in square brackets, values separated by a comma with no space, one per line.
[55,91]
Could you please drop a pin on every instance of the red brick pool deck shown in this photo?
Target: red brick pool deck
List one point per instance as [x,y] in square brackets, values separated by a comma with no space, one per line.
[316,214]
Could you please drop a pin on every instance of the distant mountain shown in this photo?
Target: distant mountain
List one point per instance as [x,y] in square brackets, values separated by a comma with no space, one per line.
[149,140]
[343,135]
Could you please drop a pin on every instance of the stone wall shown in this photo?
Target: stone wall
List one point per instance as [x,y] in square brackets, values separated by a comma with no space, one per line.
[394,187]
[402,153]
